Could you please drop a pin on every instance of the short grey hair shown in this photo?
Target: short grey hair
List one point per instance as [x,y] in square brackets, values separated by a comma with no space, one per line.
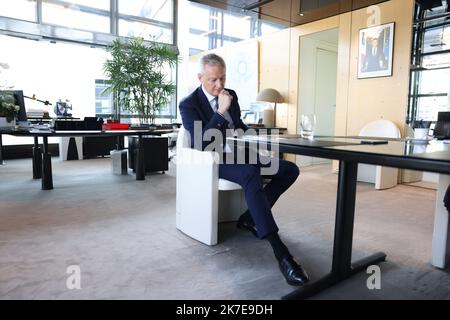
[211,59]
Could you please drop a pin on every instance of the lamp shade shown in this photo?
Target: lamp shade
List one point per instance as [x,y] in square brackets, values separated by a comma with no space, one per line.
[270,95]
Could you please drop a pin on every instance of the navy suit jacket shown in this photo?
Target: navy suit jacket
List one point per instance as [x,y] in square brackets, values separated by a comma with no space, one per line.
[196,107]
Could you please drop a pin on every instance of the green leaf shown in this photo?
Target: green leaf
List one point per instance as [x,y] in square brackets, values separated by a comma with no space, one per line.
[137,75]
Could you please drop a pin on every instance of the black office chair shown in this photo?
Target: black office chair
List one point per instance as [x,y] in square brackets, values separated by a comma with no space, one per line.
[442,127]
[447,199]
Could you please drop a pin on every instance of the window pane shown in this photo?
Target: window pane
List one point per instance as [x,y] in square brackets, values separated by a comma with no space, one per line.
[77,16]
[99,4]
[160,10]
[437,39]
[198,41]
[237,27]
[268,28]
[208,22]
[103,101]
[434,81]
[144,30]
[201,14]
[428,107]
[19,9]
[436,61]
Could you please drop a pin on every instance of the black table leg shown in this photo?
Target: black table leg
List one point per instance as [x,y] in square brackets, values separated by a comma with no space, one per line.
[1,151]
[37,160]
[47,179]
[140,169]
[342,267]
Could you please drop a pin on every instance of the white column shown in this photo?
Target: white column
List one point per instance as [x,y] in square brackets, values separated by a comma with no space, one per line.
[441,237]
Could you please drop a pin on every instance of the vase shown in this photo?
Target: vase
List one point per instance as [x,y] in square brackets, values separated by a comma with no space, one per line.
[4,124]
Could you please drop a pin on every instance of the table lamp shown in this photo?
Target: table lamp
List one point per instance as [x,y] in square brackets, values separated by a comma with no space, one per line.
[272,96]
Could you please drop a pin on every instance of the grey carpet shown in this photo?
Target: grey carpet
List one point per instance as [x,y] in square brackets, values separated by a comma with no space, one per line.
[121,233]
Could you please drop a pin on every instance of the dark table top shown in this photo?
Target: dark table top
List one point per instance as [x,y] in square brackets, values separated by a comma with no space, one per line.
[426,155]
[84,133]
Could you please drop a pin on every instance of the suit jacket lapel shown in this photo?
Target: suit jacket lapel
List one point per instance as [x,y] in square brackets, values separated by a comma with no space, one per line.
[204,107]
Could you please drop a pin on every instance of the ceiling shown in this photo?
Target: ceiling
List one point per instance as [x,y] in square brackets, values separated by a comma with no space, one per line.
[287,12]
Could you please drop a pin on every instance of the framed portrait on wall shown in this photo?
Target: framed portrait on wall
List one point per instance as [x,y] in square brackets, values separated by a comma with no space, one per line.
[375,51]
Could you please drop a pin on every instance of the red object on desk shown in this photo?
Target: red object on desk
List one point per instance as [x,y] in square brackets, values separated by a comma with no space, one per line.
[115,126]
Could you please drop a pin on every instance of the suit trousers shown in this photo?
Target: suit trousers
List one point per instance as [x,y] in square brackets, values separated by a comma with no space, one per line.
[261,199]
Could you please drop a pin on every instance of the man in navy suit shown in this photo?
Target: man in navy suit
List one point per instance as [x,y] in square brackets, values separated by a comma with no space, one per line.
[212,107]
[375,59]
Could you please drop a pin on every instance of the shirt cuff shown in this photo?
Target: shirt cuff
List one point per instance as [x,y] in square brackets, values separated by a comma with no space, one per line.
[221,114]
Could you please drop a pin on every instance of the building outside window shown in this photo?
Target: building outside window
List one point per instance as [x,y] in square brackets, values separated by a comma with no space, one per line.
[233,34]
[79,14]
[71,28]
[214,28]
[19,9]
[430,64]
[149,19]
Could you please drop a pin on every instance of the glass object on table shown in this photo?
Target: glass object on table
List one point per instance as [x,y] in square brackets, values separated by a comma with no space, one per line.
[307,125]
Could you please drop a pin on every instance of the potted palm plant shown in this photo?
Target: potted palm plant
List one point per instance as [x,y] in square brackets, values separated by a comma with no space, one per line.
[136,72]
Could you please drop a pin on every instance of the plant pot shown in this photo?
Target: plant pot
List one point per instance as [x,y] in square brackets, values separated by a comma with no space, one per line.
[5,124]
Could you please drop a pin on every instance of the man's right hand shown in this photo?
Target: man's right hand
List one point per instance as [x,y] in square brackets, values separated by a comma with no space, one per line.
[224,101]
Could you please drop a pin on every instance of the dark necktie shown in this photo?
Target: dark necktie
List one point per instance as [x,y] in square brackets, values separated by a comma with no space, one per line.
[215,104]
[226,115]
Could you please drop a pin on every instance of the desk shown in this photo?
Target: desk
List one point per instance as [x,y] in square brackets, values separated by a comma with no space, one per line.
[434,157]
[42,167]
[267,130]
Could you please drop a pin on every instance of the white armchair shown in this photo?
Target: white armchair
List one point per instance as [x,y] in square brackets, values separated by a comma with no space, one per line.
[203,200]
[382,177]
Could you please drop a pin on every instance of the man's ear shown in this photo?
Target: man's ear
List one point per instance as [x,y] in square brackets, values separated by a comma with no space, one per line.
[199,76]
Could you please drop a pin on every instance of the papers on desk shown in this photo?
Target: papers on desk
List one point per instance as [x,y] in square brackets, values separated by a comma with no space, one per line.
[36,113]
[39,130]
[39,126]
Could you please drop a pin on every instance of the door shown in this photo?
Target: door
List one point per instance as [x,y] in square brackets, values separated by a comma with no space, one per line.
[317,84]
[325,94]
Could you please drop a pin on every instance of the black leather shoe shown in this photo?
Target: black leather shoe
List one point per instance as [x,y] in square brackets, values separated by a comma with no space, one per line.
[244,224]
[293,272]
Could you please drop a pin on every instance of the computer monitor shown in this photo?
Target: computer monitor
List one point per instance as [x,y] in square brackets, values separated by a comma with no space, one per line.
[20,101]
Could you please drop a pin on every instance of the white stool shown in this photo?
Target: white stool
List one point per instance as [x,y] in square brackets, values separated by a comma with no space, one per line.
[71,148]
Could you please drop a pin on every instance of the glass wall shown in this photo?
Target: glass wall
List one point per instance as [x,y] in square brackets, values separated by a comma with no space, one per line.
[66,62]
[214,28]
[149,19]
[430,72]
[52,71]
[78,14]
[19,9]
[233,35]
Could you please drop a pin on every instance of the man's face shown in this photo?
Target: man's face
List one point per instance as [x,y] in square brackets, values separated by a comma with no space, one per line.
[213,79]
